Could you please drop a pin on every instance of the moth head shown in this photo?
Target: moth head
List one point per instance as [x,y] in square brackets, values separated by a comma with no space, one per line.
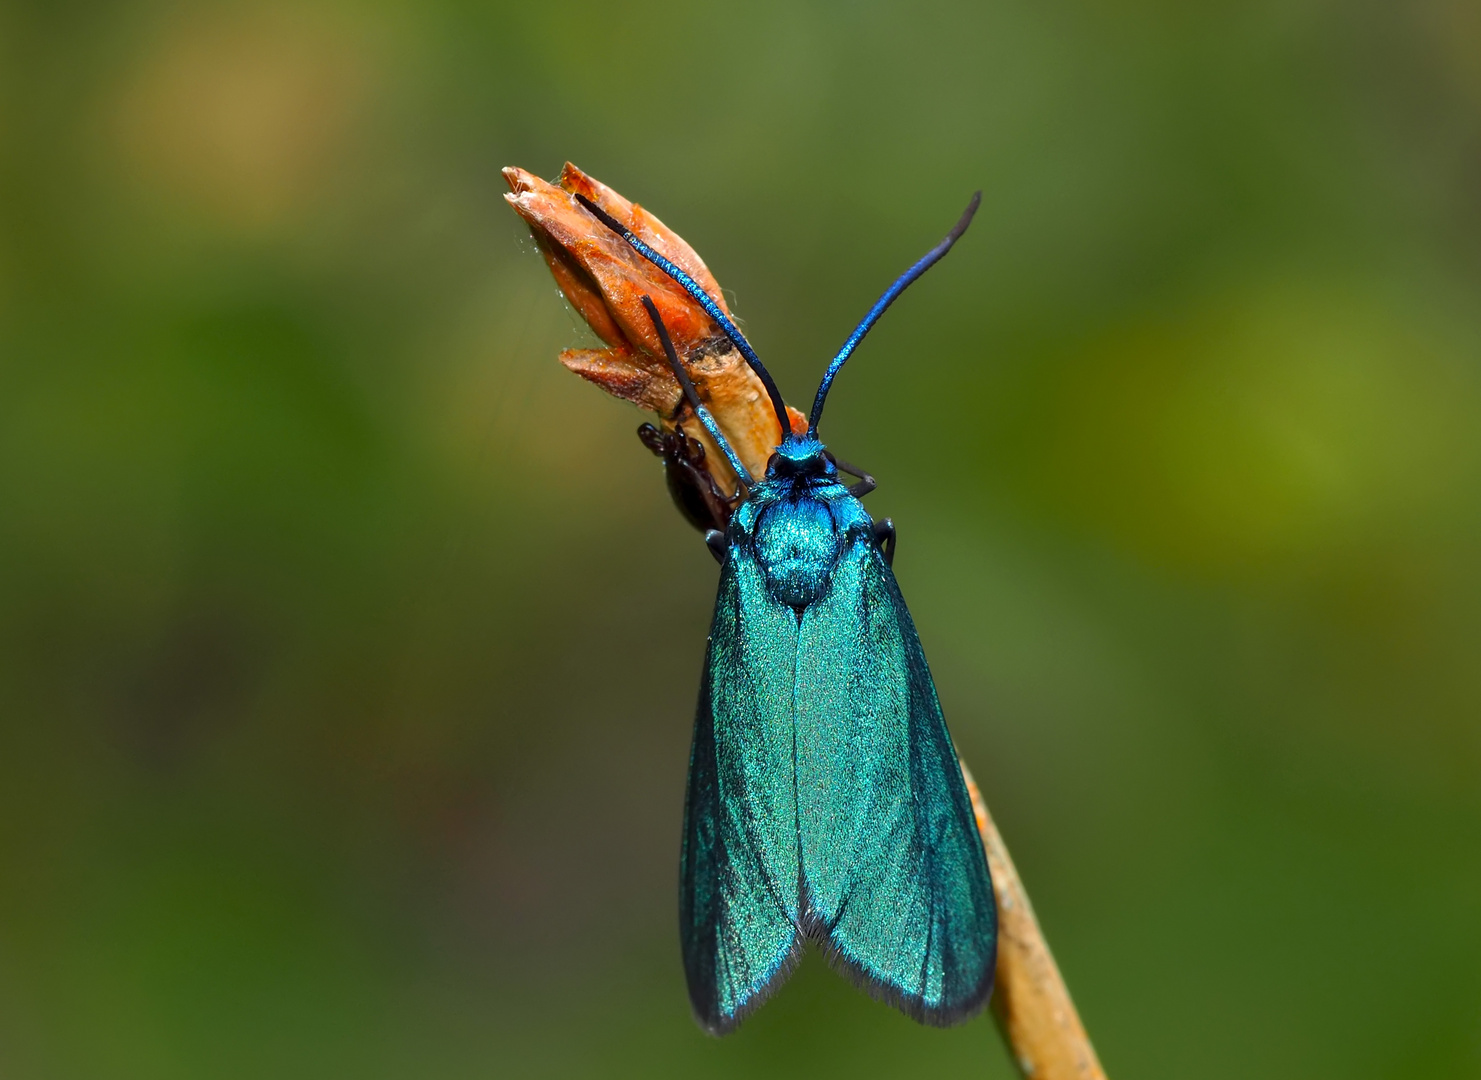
[801,457]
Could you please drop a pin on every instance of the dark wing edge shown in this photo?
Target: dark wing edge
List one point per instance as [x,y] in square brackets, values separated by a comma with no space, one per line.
[737,908]
[936,779]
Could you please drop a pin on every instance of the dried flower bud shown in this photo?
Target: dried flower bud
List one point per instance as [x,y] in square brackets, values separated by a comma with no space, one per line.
[605,280]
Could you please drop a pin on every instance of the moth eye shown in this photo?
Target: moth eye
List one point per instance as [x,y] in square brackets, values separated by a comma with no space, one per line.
[771,463]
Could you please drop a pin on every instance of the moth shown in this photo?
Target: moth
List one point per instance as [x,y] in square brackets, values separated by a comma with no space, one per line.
[825,802]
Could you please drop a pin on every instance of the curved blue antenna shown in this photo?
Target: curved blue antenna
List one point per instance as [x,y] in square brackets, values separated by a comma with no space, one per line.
[687,384]
[891,294]
[704,300]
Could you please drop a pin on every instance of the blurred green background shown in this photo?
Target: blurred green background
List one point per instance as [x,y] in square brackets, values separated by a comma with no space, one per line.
[350,645]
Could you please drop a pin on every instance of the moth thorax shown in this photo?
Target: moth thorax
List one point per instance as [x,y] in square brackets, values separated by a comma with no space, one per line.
[797,545]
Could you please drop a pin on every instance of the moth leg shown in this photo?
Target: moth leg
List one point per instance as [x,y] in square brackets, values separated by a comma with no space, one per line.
[715,541]
[884,536]
[652,438]
[866,482]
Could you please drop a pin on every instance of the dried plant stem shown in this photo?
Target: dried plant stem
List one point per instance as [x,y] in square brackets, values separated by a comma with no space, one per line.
[1032,1006]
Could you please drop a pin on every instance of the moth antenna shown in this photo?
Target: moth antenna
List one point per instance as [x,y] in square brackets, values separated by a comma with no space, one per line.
[891,294]
[704,300]
[692,393]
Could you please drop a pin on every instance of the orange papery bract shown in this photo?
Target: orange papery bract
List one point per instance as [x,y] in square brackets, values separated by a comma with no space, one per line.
[605,281]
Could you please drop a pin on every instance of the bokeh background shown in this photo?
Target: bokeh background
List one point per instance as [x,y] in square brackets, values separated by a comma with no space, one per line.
[349,645]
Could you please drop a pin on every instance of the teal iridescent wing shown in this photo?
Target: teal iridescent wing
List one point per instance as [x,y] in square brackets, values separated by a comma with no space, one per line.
[738,868]
[896,877]
[825,801]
